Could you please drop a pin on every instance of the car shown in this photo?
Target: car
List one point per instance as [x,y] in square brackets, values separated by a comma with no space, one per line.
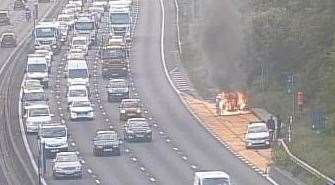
[76,56]
[33,96]
[130,108]
[19,5]
[8,40]
[106,142]
[257,135]
[81,110]
[46,53]
[67,164]
[68,19]
[117,89]
[31,84]
[4,18]
[80,42]
[54,137]
[137,129]
[77,93]
[211,178]
[37,115]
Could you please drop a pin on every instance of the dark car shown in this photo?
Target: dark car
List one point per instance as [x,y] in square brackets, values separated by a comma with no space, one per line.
[138,129]
[117,89]
[4,18]
[130,108]
[106,142]
[8,40]
[114,63]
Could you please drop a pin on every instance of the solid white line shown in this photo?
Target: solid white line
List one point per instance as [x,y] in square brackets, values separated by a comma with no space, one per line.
[162,48]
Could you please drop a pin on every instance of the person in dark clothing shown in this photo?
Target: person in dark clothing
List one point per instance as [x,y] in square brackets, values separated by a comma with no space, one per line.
[28,14]
[271,126]
[279,122]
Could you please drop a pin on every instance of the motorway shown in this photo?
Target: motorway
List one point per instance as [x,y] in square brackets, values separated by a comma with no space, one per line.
[180,145]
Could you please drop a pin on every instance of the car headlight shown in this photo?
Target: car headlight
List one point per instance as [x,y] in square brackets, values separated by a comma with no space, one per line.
[149,131]
[122,111]
[130,131]
[73,114]
[45,79]
[138,111]
[54,46]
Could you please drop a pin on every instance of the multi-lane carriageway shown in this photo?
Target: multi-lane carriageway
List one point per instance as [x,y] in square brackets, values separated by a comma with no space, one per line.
[180,145]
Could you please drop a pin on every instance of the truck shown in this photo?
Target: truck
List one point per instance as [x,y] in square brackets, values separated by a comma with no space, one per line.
[211,178]
[47,33]
[120,21]
[86,26]
[114,63]
[38,68]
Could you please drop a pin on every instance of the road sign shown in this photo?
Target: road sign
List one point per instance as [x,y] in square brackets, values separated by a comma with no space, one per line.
[300,98]
[319,120]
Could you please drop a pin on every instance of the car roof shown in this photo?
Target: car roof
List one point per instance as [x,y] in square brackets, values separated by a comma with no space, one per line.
[39,106]
[8,34]
[33,90]
[137,119]
[211,174]
[106,132]
[256,124]
[66,153]
[130,100]
[77,87]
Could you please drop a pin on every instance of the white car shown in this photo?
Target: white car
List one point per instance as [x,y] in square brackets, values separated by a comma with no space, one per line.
[77,93]
[67,164]
[211,178]
[81,110]
[37,115]
[80,42]
[54,136]
[257,135]
[31,84]
[47,53]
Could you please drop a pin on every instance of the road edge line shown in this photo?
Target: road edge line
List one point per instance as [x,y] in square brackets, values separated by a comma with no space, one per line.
[180,94]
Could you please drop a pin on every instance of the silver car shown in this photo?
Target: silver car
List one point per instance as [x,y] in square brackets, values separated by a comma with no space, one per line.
[67,164]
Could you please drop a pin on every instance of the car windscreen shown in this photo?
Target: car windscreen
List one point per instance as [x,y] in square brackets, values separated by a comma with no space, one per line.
[106,137]
[257,129]
[35,96]
[79,42]
[36,68]
[52,132]
[120,18]
[8,38]
[78,73]
[45,32]
[81,104]
[118,84]
[112,54]
[129,104]
[34,112]
[215,181]
[84,26]
[78,93]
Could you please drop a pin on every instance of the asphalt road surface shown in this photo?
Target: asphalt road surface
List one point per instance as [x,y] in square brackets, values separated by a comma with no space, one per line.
[180,145]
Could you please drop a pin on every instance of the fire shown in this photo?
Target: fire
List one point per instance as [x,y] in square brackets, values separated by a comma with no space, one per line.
[228,102]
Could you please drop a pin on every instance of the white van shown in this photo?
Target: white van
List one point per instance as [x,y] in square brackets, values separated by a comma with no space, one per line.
[77,72]
[211,178]
[38,69]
